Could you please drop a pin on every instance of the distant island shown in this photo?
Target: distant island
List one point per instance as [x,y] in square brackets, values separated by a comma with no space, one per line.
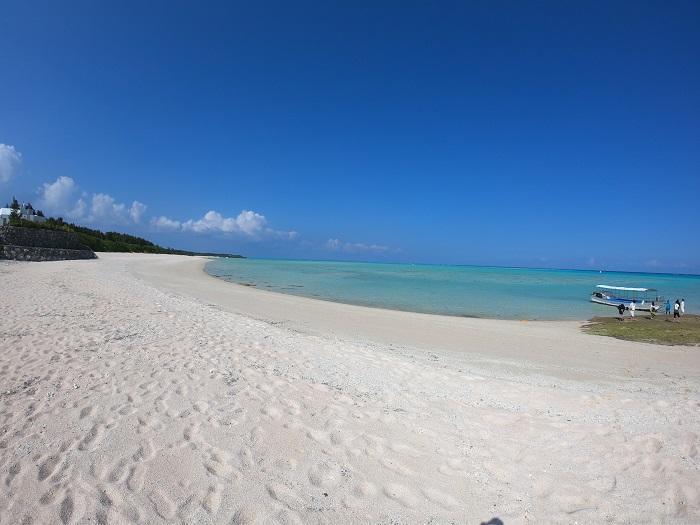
[25,216]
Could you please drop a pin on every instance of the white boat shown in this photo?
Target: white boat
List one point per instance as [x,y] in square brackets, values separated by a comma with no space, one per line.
[623,295]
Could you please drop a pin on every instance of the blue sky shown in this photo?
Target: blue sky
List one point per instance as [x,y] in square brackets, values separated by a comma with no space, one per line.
[508,133]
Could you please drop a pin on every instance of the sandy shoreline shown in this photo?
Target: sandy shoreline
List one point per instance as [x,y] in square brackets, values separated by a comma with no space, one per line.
[138,389]
[525,343]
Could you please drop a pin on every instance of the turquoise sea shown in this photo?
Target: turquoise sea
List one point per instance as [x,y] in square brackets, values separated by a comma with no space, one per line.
[478,291]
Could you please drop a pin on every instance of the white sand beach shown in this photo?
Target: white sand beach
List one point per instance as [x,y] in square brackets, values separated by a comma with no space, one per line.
[138,389]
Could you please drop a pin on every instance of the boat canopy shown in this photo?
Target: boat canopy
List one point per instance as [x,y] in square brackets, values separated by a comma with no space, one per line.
[625,289]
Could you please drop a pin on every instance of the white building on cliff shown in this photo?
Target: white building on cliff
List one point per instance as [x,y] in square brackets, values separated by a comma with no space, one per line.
[26,212]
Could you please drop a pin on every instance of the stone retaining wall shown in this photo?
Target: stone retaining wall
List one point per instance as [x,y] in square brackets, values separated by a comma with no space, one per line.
[39,238]
[34,244]
[29,253]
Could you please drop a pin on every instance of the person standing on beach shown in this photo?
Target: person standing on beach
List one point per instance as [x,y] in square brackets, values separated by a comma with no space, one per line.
[632,307]
[668,306]
[652,309]
[682,306]
[677,309]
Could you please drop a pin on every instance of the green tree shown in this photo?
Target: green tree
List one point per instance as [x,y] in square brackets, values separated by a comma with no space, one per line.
[15,217]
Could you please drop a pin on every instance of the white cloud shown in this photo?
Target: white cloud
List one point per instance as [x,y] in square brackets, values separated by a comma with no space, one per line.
[247,222]
[250,223]
[62,198]
[165,224]
[334,244]
[104,209]
[10,159]
[57,197]
[78,210]
[355,247]
[290,235]
[361,247]
[137,210]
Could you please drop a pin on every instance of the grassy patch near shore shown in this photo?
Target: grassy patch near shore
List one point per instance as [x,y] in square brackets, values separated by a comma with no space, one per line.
[662,330]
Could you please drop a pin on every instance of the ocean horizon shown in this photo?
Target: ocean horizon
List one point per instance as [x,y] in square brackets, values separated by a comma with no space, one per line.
[447,289]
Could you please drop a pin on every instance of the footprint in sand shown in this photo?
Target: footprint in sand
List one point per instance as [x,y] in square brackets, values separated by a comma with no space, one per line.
[48,497]
[94,435]
[247,515]
[14,469]
[68,508]
[271,411]
[212,500]
[441,498]
[285,496]
[401,494]
[135,480]
[365,489]
[688,444]
[48,467]
[145,452]
[162,504]
[218,464]
[118,471]
[191,432]
[396,467]
[324,475]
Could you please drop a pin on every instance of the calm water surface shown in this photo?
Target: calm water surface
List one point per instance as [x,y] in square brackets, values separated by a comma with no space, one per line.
[511,293]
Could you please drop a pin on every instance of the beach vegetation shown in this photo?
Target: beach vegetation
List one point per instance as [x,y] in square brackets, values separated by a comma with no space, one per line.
[110,241]
[660,330]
